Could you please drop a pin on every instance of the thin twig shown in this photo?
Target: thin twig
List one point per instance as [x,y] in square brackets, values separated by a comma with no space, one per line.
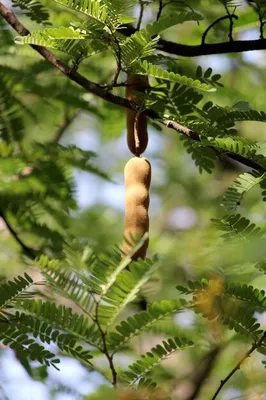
[257,9]
[161,6]
[255,346]
[231,26]
[203,371]
[105,348]
[214,23]
[30,252]
[261,25]
[118,61]
[66,123]
[141,12]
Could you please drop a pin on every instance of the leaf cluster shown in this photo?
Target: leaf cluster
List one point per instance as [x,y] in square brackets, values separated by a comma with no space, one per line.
[101,287]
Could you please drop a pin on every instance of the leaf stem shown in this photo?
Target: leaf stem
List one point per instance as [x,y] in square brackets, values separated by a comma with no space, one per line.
[161,6]
[254,347]
[142,5]
[105,348]
[30,252]
[228,16]
[203,371]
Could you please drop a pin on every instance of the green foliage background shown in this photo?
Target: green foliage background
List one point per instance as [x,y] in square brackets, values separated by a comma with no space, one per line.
[44,120]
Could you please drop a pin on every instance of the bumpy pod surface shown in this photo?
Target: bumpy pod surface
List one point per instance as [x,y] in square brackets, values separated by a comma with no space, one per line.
[137,200]
[137,83]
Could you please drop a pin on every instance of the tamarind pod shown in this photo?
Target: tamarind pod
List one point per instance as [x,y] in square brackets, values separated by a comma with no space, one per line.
[137,183]
[137,134]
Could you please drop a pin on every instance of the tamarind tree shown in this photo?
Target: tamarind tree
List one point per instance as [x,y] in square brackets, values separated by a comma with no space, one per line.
[169,305]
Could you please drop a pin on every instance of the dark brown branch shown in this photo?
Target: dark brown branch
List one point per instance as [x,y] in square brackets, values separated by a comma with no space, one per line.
[261,16]
[160,10]
[230,16]
[101,92]
[88,85]
[238,46]
[27,250]
[184,50]
[203,371]
[141,12]
[195,136]
[255,346]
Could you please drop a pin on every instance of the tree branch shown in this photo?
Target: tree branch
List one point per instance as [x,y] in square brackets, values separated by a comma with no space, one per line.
[103,93]
[214,23]
[141,12]
[203,371]
[169,47]
[160,10]
[255,346]
[195,136]
[238,46]
[27,250]
[88,85]
[185,50]
[66,123]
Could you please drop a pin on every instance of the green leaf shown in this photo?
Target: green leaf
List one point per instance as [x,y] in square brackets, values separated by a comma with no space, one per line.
[107,268]
[231,303]
[235,145]
[234,194]
[45,36]
[127,19]
[47,334]
[205,158]
[166,22]
[11,115]
[142,366]
[63,318]
[137,46]
[125,289]
[34,10]
[74,42]
[237,227]
[69,282]
[11,291]
[137,323]
[27,347]
[146,68]
[94,9]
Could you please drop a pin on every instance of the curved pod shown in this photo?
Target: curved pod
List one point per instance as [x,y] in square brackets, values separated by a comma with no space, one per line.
[136,83]
[137,200]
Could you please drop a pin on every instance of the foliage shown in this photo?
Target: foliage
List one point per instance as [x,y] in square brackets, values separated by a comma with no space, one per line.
[76,297]
[140,368]
[101,288]
[33,9]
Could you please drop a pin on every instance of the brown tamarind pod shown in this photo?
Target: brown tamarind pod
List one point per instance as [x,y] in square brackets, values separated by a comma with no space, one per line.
[137,183]
[137,134]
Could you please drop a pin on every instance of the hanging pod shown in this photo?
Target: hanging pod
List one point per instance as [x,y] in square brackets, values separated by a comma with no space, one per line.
[137,183]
